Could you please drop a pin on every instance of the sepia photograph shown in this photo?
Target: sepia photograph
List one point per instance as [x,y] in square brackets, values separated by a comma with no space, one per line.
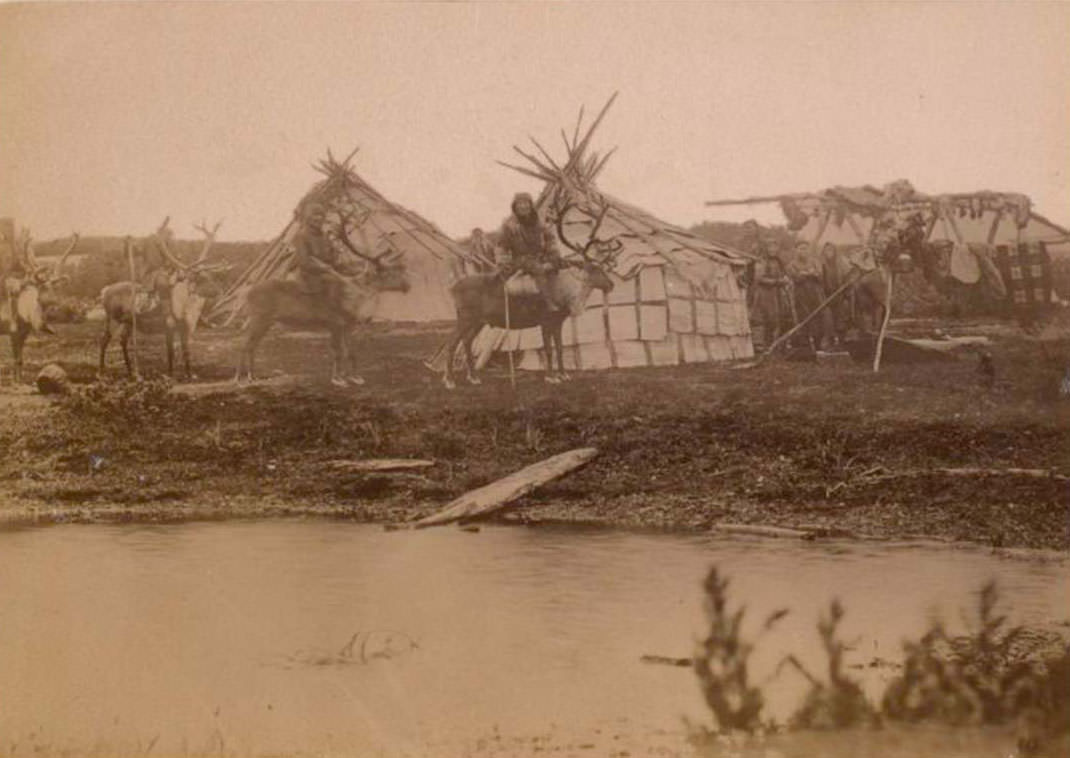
[490,379]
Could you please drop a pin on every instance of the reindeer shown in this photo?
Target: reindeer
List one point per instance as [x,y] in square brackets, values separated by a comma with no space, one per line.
[480,300]
[171,303]
[288,302]
[22,313]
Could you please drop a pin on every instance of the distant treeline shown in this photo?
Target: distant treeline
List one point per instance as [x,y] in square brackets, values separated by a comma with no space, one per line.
[735,236]
[102,261]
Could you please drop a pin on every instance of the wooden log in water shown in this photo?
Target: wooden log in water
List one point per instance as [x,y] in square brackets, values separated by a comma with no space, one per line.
[763,531]
[500,493]
[668,660]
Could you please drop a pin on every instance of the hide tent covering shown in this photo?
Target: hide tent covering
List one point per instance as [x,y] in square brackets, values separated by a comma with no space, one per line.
[676,296]
[432,260]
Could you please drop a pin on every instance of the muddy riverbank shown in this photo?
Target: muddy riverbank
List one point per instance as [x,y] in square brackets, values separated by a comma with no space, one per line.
[923,449]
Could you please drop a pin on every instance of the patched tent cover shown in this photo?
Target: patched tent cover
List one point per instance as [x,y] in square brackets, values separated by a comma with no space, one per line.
[433,260]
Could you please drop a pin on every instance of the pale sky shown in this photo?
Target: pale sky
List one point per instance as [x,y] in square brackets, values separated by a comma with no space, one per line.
[115,115]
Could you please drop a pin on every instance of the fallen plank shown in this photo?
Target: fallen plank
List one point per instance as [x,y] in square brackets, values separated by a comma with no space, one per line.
[1031,473]
[1035,473]
[763,531]
[229,386]
[381,464]
[896,350]
[949,344]
[498,494]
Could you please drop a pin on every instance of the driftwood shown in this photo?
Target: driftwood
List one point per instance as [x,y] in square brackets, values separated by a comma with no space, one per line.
[666,660]
[229,386]
[949,344]
[381,464]
[498,494]
[1033,473]
[764,531]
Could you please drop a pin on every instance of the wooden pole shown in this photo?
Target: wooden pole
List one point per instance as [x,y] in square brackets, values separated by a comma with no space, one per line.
[884,323]
[752,200]
[998,216]
[133,303]
[512,368]
[821,226]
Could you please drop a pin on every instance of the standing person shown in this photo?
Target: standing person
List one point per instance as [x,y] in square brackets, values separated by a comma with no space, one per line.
[808,279]
[770,280]
[483,249]
[530,246]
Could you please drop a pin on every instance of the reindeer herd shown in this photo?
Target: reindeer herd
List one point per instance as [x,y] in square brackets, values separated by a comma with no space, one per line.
[168,299]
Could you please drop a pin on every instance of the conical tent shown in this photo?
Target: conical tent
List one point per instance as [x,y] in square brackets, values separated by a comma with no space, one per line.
[676,297]
[433,260]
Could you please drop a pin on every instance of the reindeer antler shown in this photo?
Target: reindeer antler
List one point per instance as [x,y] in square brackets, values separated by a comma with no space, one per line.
[160,236]
[561,210]
[57,275]
[24,251]
[343,237]
[209,240]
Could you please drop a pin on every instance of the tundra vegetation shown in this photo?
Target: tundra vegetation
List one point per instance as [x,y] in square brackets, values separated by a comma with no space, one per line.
[991,675]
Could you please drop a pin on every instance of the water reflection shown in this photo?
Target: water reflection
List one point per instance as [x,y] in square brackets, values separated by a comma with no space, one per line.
[118,635]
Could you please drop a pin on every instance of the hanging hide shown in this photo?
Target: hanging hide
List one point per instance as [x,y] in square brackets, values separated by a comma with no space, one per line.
[964,266]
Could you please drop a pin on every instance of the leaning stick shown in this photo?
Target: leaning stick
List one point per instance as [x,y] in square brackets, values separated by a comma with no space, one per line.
[884,323]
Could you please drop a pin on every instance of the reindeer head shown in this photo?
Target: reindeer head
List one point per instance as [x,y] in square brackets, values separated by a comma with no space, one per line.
[383,271]
[38,274]
[199,272]
[597,254]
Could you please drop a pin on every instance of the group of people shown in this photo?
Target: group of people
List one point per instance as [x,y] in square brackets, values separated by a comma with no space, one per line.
[782,294]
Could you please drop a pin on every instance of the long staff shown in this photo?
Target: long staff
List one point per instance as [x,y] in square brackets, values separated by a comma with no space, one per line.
[512,368]
[133,302]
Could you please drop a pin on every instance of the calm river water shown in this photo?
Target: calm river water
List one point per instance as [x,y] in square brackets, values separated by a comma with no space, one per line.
[231,638]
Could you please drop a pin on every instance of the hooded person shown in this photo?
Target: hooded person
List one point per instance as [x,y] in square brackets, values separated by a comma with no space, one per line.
[529,246]
[809,284]
[770,279]
[315,258]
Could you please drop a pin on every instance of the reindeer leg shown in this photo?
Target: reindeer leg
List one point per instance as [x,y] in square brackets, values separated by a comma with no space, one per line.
[170,336]
[353,378]
[255,332]
[183,338]
[547,347]
[18,340]
[124,340]
[469,361]
[337,340]
[451,348]
[559,348]
[104,340]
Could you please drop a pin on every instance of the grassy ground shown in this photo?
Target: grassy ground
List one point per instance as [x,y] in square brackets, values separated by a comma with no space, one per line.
[829,445]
